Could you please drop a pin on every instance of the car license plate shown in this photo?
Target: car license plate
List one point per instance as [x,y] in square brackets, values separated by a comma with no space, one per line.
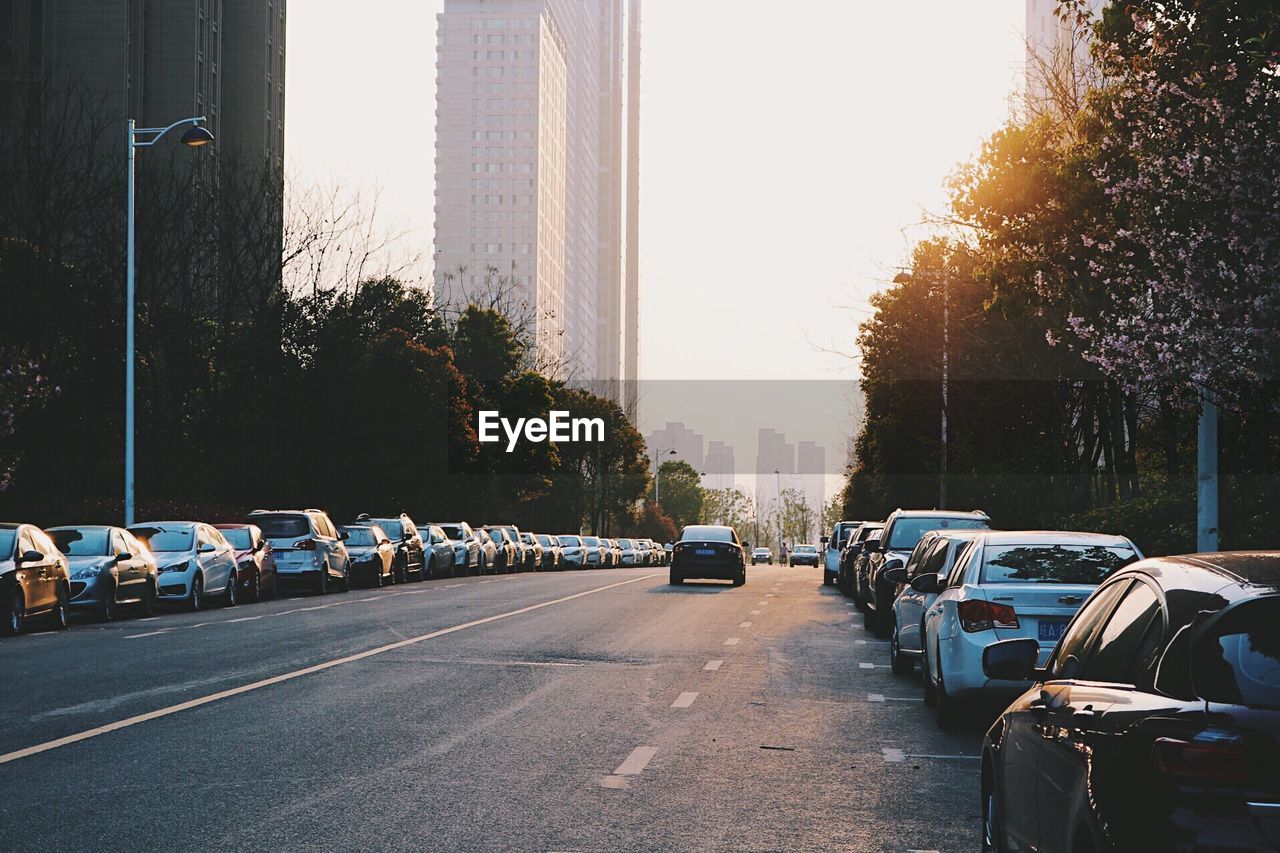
[1051,630]
[705,552]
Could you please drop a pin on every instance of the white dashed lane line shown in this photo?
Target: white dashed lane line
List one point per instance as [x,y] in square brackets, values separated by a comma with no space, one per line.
[899,756]
[880,697]
[684,700]
[732,641]
[744,624]
[713,665]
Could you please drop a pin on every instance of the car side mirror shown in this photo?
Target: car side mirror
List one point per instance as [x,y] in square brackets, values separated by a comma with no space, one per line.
[206,548]
[896,575]
[1011,660]
[824,540]
[871,546]
[344,535]
[928,584]
[30,557]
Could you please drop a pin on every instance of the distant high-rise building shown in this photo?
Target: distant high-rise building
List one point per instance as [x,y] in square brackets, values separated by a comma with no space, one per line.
[1051,45]
[252,112]
[719,465]
[686,443]
[531,164]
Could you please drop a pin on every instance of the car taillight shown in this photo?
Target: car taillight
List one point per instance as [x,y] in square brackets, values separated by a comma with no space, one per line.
[1213,755]
[983,616]
[305,544]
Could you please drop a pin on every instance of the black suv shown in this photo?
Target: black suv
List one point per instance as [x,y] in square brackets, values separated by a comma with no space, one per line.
[902,530]
[403,533]
[849,554]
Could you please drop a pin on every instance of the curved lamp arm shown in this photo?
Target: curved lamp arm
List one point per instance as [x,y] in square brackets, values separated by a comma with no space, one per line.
[158,132]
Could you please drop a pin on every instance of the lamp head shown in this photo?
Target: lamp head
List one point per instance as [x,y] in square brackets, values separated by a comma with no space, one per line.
[197,136]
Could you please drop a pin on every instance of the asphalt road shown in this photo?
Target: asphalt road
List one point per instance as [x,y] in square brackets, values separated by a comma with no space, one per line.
[576,711]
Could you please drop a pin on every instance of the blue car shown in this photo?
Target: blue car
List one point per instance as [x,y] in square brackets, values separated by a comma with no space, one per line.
[108,567]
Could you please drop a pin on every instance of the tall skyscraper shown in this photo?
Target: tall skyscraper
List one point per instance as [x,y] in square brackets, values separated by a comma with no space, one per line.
[686,443]
[719,465]
[531,162]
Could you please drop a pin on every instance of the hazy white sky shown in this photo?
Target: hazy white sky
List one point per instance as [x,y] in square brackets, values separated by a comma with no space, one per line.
[787,148]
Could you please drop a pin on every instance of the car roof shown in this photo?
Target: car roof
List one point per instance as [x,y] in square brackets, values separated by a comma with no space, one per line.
[939,513]
[11,525]
[79,527]
[233,526]
[1211,572]
[1053,537]
[170,523]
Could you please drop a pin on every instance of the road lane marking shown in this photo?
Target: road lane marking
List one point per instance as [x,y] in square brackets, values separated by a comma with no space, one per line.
[297,673]
[898,756]
[713,665]
[684,700]
[768,595]
[732,641]
[761,603]
[636,761]
[755,612]
[871,642]
[880,697]
[744,624]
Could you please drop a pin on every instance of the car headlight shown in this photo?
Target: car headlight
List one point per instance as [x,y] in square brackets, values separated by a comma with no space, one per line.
[89,572]
[175,567]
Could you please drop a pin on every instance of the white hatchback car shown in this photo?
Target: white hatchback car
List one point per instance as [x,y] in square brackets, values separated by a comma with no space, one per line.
[1008,585]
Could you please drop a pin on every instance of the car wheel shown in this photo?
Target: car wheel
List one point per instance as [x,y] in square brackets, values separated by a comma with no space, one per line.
[884,619]
[322,581]
[741,578]
[61,610]
[344,585]
[232,595]
[676,580]
[148,605]
[900,663]
[107,609]
[930,692]
[15,613]
[991,831]
[195,598]
[254,593]
[428,570]
[947,714]
[378,577]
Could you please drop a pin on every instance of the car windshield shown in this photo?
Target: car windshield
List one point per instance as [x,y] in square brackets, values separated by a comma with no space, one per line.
[706,533]
[238,537]
[907,531]
[805,549]
[76,542]
[394,529]
[1239,662]
[361,536]
[454,532]
[570,541]
[1052,563]
[282,526]
[590,541]
[8,536]
[165,539]
[867,532]
[526,538]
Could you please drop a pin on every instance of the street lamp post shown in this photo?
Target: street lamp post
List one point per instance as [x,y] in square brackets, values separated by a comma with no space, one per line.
[141,137]
[778,474]
[657,470]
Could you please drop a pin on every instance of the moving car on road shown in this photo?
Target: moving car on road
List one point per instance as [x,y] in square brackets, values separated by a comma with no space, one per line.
[108,567]
[307,547]
[411,561]
[708,551]
[902,530]
[255,562]
[193,560]
[833,545]
[33,578]
[803,555]
[1007,585]
[761,555]
[932,559]
[466,547]
[1154,724]
[372,554]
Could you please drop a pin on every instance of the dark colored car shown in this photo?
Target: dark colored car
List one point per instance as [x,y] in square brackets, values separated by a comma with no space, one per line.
[851,553]
[508,556]
[1155,723]
[902,530]
[255,561]
[708,551]
[373,554]
[521,558]
[803,555]
[33,578]
[108,567]
[410,551]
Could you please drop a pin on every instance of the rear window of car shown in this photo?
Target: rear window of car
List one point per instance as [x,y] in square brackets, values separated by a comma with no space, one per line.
[283,526]
[361,536]
[805,549]
[1052,563]
[239,538]
[706,533]
[82,543]
[393,528]
[165,539]
[1238,663]
[907,531]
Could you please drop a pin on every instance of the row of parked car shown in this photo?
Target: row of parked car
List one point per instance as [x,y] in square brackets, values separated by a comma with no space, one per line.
[1141,697]
[102,568]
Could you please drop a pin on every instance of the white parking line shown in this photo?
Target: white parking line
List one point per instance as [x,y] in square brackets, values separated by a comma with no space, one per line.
[761,603]
[636,761]
[297,673]
[898,756]
[732,641]
[713,665]
[744,624]
[755,612]
[880,697]
[684,700]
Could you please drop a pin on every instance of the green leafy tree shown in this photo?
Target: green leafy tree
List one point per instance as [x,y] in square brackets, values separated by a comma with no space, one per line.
[680,492]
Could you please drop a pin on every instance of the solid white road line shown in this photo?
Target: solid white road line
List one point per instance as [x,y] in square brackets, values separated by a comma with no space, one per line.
[732,641]
[713,665]
[297,673]
[636,761]
[684,700]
